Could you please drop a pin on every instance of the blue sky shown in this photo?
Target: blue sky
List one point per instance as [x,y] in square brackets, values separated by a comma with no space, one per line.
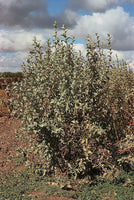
[21,20]
[56,7]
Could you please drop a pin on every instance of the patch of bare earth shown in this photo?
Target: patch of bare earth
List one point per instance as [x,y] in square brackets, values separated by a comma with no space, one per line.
[8,144]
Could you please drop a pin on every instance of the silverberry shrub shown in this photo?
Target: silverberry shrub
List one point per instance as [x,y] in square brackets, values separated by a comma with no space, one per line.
[76,107]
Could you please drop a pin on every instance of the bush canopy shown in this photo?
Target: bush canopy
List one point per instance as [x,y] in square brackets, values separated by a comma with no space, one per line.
[76,107]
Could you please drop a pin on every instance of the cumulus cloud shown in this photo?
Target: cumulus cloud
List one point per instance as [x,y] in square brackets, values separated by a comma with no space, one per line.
[92,5]
[17,40]
[115,21]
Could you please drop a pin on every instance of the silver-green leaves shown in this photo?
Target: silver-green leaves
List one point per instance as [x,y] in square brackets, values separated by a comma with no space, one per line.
[74,105]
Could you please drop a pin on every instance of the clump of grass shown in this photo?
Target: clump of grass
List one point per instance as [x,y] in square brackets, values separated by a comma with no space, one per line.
[120,188]
[18,186]
[24,184]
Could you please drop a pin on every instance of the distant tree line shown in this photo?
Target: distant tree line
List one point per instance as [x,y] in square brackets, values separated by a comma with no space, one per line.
[11,74]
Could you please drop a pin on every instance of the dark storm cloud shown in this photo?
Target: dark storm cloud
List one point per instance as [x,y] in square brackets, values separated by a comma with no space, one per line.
[67,17]
[25,13]
[31,14]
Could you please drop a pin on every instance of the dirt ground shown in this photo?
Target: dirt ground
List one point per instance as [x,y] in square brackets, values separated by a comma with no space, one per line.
[8,145]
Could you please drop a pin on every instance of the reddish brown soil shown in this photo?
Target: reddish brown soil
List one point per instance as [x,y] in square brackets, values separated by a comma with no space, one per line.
[8,144]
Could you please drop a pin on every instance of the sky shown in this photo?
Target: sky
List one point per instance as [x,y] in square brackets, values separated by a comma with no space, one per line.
[21,20]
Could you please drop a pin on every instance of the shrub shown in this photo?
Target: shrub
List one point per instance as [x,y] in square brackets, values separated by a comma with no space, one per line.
[74,106]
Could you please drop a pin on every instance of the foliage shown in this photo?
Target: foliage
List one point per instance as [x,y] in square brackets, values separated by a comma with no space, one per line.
[125,153]
[75,107]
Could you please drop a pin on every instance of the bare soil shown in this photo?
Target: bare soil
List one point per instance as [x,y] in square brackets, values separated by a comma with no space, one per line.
[8,144]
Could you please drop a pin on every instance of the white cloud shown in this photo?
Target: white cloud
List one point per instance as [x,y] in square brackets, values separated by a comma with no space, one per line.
[115,21]
[80,47]
[17,40]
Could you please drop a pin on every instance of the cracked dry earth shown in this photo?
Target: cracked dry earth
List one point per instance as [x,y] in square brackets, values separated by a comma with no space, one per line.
[8,145]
